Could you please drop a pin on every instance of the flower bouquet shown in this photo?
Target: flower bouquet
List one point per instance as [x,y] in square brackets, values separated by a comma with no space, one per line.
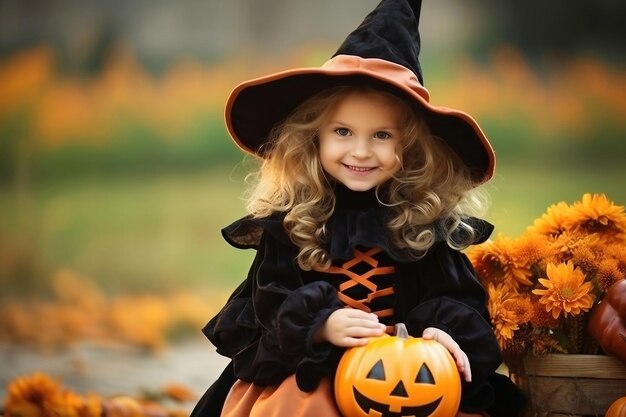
[543,284]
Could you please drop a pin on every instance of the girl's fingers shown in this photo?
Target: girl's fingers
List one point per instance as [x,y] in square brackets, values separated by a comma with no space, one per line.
[467,370]
[359,314]
[428,336]
[461,359]
[347,341]
[462,363]
[364,331]
[369,324]
[353,341]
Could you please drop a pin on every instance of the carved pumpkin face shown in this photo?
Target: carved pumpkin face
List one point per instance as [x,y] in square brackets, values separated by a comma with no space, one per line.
[398,376]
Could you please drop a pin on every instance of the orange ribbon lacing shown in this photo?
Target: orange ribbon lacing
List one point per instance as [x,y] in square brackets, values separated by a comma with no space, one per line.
[364,280]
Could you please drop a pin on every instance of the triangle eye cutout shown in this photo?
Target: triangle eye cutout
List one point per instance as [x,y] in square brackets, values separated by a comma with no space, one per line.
[424,376]
[377,372]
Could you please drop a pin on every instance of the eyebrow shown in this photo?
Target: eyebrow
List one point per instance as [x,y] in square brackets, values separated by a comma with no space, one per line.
[341,123]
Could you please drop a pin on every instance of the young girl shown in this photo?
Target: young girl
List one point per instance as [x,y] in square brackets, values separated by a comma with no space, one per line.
[358,215]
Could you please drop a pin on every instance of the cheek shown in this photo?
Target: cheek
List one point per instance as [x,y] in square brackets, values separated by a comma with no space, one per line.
[392,160]
[325,157]
[329,151]
[397,163]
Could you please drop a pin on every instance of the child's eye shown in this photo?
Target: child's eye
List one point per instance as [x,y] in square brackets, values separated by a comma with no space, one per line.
[342,131]
[382,135]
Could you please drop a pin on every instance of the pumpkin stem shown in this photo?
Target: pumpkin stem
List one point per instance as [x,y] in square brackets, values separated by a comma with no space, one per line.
[401,331]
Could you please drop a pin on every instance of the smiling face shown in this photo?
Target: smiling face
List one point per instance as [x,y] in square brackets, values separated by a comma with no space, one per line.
[360,140]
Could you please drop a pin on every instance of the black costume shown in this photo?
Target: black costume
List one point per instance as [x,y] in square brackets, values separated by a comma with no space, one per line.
[267,324]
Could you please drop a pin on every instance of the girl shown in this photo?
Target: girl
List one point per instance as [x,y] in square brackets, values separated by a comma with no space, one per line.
[358,215]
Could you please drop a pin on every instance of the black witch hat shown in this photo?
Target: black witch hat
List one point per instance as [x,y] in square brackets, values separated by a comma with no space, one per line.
[383,53]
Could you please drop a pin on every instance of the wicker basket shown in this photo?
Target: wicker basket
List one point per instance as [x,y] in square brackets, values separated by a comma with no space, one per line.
[578,385]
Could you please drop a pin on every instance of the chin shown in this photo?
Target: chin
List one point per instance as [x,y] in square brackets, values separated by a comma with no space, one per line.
[360,187]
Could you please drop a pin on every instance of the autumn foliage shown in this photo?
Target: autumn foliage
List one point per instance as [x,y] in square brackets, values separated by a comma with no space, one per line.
[39,395]
[80,311]
[574,97]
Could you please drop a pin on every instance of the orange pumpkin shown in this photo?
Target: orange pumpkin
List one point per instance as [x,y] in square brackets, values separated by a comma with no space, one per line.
[617,408]
[607,322]
[394,376]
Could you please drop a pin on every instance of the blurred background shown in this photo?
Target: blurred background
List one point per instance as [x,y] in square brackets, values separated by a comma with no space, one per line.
[116,172]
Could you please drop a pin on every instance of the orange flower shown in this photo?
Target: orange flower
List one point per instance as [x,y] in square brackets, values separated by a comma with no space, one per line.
[618,252]
[497,262]
[565,290]
[552,223]
[540,318]
[597,214]
[91,406]
[608,273]
[532,248]
[523,306]
[39,395]
[504,318]
[69,405]
[586,258]
[484,265]
[569,242]
[34,396]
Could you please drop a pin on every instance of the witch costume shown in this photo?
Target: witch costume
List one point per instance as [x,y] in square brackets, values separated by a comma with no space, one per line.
[268,323]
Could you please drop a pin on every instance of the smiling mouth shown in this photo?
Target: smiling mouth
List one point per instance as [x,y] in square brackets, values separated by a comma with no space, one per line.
[418,411]
[358,169]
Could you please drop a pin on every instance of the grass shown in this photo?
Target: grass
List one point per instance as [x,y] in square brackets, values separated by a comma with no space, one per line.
[139,233]
[159,232]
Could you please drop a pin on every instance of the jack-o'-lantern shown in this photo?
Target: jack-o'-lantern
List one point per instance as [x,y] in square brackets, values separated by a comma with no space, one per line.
[395,376]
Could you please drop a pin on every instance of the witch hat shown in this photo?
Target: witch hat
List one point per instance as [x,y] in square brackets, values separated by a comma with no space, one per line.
[382,53]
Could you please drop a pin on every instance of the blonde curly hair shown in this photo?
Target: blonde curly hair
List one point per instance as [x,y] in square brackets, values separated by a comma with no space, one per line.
[433,188]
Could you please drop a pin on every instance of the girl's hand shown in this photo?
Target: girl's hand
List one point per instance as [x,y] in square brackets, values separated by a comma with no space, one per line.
[462,362]
[349,327]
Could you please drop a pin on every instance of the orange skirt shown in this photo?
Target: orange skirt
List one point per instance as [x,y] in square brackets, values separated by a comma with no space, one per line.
[285,400]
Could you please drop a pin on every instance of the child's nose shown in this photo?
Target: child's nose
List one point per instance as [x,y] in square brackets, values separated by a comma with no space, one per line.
[361,147]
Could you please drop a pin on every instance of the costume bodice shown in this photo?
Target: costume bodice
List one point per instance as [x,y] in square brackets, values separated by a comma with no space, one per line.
[365,282]
[362,270]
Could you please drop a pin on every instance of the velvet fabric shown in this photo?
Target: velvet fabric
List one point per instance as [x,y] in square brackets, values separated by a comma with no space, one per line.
[398,42]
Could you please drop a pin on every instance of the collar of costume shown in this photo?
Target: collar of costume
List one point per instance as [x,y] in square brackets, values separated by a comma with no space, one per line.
[359,220]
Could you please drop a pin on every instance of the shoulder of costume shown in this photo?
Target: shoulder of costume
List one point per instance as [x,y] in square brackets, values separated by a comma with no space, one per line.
[246,232]
[482,230]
